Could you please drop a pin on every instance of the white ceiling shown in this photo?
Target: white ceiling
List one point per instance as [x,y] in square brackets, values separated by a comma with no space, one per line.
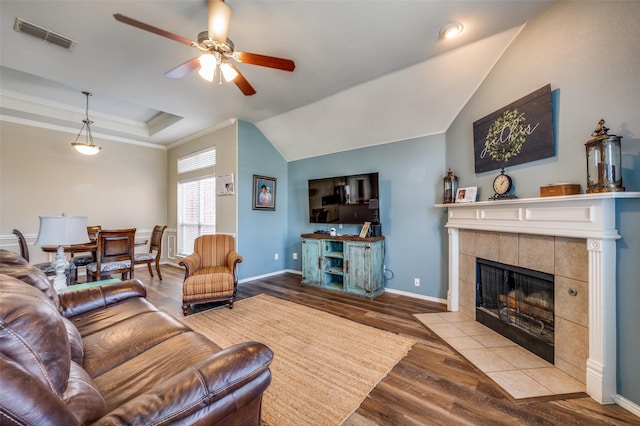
[367,71]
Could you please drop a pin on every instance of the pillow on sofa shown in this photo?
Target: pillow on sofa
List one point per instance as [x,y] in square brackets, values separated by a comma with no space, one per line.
[33,333]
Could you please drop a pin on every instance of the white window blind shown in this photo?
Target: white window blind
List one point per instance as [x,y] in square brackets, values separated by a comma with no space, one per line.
[197,161]
[196,199]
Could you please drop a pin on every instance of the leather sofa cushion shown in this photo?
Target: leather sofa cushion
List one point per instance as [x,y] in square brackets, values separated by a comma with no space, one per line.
[75,341]
[147,328]
[26,312]
[34,277]
[83,397]
[150,369]
[8,257]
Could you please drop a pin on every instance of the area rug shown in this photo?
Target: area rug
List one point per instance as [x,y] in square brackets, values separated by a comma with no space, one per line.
[324,365]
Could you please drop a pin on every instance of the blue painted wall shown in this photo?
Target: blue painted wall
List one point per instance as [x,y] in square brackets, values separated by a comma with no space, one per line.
[410,175]
[262,233]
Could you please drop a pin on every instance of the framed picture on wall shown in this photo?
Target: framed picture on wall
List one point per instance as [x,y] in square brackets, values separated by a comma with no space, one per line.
[224,185]
[264,193]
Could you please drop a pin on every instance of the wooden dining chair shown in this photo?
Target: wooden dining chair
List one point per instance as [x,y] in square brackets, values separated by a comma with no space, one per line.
[155,251]
[82,261]
[114,254]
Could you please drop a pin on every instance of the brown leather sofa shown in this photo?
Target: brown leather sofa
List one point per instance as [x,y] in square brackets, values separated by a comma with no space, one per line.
[105,355]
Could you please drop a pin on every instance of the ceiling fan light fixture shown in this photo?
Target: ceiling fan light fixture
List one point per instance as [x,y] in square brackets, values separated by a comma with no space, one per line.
[451,30]
[228,72]
[207,66]
[219,17]
[88,147]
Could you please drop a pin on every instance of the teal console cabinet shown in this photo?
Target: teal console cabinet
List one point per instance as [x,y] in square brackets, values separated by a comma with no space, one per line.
[345,263]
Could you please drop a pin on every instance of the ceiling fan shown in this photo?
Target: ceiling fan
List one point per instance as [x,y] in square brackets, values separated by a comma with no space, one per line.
[217,50]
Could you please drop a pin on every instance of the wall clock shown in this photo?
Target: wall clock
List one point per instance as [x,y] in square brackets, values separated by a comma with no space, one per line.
[503,186]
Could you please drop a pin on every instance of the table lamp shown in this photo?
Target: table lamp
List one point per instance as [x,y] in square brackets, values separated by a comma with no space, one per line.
[61,231]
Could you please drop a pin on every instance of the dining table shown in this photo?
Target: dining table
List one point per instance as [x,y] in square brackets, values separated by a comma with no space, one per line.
[84,247]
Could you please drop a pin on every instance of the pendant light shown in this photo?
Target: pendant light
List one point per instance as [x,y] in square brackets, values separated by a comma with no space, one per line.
[87,147]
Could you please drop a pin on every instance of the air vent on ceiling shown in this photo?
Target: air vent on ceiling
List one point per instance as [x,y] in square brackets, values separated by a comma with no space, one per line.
[23,26]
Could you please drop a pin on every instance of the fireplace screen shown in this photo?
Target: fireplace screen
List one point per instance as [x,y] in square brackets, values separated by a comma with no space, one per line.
[517,303]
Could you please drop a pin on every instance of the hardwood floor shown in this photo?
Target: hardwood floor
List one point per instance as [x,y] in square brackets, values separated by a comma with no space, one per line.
[433,385]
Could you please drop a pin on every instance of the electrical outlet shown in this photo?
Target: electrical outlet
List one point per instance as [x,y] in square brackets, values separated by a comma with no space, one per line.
[295,256]
[276,256]
[416,282]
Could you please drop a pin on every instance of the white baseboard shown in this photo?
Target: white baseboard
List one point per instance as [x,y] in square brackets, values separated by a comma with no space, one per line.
[257,277]
[416,296]
[630,406]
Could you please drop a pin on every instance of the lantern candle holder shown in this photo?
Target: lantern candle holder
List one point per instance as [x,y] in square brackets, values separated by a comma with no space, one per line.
[604,161]
[450,183]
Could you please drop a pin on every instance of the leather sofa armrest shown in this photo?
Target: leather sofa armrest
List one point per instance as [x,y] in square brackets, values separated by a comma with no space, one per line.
[191,264]
[240,372]
[80,301]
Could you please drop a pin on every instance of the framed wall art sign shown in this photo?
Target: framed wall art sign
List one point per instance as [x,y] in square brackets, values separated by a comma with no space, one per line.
[264,193]
[517,133]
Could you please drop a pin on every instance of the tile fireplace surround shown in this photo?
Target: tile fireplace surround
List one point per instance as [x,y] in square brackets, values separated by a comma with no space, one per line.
[590,217]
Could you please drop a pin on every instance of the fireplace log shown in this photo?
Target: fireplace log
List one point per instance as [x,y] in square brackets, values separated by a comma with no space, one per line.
[538,305]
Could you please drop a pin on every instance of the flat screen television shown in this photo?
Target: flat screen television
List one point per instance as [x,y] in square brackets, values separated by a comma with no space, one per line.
[344,199]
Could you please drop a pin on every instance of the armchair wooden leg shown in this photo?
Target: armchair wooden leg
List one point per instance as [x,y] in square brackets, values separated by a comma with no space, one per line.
[150,270]
[157,269]
[185,309]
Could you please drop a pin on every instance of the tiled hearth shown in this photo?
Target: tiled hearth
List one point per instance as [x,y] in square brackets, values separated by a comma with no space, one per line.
[586,225]
[524,376]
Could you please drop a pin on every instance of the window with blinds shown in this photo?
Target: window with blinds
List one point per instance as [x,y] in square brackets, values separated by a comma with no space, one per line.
[196,198]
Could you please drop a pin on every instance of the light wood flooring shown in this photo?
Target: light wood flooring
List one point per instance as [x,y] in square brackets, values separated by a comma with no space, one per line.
[432,385]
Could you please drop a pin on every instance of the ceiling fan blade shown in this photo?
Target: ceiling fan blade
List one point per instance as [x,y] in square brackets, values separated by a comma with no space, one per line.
[184,68]
[265,61]
[146,27]
[219,18]
[242,83]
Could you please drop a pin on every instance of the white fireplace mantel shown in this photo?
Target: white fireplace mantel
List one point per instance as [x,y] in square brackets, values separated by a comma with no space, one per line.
[588,216]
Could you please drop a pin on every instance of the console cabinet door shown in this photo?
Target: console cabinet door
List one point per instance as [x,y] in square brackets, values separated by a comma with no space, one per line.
[311,261]
[363,268]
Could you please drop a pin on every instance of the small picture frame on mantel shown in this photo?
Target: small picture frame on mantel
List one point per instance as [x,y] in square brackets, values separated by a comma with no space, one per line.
[466,195]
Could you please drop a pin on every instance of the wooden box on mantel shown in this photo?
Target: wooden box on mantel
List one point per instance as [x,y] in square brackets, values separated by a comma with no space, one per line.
[556,189]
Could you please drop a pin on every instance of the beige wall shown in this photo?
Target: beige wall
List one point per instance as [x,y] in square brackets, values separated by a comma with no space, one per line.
[225,141]
[125,185]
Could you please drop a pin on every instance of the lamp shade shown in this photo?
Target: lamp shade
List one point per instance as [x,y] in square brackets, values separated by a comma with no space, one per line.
[62,230]
[207,66]
[228,72]
[219,17]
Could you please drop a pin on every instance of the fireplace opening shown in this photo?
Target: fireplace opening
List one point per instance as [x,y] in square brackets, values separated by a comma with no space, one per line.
[517,303]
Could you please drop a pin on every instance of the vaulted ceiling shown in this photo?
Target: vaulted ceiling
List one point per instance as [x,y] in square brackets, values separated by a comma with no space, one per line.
[367,71]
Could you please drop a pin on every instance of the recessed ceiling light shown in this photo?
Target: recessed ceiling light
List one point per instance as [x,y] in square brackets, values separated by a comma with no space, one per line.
[451,30]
